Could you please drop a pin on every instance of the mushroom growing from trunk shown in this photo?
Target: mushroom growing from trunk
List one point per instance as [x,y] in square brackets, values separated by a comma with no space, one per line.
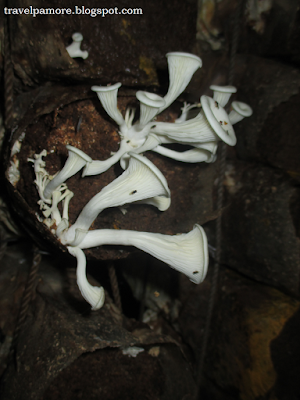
[186,253]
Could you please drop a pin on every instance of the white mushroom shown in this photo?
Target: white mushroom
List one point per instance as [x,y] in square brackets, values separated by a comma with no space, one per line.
[150,104]
[64,223]
[150,143]
[239,111]
[74,48]
[203,152]
[53,210]
[108,98]
[186,253]
[182,67]
[218,120]
[77,159]
[195,130]
[222,93]
[92,294]
[141,181]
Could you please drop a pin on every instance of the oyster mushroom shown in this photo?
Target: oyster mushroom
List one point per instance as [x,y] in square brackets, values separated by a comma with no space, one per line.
[218,120]
[76,160]
[239,111]
[222,94]
[141,181]
[108,98]
[186,252]
[182,67]
[210,125]
[150,103]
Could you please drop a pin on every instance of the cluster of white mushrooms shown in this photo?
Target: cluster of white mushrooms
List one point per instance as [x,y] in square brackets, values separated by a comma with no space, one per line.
[142,181]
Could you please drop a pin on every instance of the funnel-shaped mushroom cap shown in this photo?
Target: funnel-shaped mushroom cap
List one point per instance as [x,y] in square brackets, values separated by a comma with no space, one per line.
[108,98]
[187,253]
[92,294]
[239,111]
[77,159]
[150,105]
[142,180]
[182,67]
[222,93]
[218,119]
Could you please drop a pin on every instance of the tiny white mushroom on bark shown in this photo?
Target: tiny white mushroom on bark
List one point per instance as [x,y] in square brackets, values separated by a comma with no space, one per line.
[239,111]
[76,160]
[74,48]
[92,294]
[141,181]
[186,253]
[222,94]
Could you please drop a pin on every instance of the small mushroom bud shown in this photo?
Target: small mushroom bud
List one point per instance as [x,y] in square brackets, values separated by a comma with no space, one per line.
[74,48]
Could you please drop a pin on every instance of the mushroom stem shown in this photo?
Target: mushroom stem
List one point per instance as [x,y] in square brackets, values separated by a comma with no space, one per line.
[191,156]
[77,159]
[182,67]
[68,197]
[74,48]
[108,98]
[97,167]
[197,130]
[52,211]
[92,294]
[186,253]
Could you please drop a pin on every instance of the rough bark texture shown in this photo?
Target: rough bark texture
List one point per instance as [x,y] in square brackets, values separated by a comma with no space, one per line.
[260,228]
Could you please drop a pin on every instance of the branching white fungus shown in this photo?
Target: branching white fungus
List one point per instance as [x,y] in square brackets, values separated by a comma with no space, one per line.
[141,182]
